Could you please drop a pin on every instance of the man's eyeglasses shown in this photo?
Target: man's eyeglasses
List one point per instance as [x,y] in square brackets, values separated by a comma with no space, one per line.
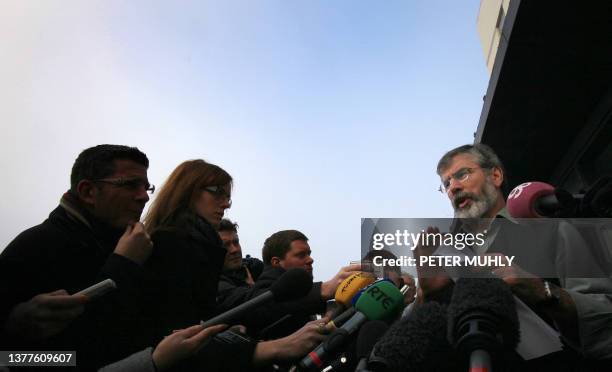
[132,184]
[219,193]
[460,176]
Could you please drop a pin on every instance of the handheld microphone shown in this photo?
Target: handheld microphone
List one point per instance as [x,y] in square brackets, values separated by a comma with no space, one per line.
[293,284]
[349,288]
[369,334]
[482,320]
[417,342]
[539,199]
[339,320]
[380,301]
[347,294]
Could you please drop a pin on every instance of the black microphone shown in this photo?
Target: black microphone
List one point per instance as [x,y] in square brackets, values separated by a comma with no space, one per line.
[539,199]
[482,320]
[292,285]
[368,335]
[341,319]
[417,342]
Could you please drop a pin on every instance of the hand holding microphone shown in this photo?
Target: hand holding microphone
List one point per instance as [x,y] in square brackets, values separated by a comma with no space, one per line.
[328,288]
[380,301]
[347,290]
[293,346]
[182,344]
[44,315]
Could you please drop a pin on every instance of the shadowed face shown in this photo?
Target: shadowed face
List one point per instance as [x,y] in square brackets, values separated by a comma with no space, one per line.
[121,203]
[233,257]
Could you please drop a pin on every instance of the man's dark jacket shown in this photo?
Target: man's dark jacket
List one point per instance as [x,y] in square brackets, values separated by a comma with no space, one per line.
[71,250]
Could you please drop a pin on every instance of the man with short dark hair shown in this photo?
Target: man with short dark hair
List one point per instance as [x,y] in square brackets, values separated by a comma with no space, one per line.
[236,287]
[235,280]
[472,177]
[289,249]
[228,231]
[93,234]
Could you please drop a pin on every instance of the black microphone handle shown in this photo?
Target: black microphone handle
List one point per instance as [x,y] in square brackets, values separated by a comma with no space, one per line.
[560,201]
[343,318]
[480,361]
[547,205]
[337,310]
[239,310]
[316,358]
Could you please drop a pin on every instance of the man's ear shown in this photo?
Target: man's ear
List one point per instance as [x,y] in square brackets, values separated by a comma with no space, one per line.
[87,191]
[497,176]
[275,261]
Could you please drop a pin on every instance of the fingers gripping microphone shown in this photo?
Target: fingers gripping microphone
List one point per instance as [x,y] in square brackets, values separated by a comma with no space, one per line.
[482,320]
[382,300]
[415,343]
[349,288]
[339,320]
[293,284]
[345,293]
[351,285]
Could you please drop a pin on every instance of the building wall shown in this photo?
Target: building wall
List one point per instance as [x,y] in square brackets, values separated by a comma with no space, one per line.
[490,23]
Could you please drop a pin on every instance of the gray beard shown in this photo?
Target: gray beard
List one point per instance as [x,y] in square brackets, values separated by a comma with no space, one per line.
[479,208]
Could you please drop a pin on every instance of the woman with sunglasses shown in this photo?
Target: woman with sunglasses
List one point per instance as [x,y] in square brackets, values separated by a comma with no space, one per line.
[183,271]
[182,222]
[187,259]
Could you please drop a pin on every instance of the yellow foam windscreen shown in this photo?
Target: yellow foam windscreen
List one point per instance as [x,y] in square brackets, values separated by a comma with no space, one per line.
[351,285]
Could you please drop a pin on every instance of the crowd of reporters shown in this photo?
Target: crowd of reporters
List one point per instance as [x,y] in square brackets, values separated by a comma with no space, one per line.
[184,266]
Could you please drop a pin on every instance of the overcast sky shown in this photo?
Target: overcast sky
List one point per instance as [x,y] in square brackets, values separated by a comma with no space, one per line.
[324,112]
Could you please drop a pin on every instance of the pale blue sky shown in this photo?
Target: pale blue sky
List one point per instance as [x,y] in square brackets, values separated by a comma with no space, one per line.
[323,111]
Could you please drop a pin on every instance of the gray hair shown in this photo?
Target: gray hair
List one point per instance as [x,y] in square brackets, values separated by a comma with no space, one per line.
[482,154]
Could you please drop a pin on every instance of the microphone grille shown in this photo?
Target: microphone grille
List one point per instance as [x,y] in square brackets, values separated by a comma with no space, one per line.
[293,284]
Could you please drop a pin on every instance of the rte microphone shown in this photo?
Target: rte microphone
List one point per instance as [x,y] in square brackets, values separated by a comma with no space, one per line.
[380,301]
[368,335]
[417,342]
[539,199]
[482,320]
[293,284]
[339,320]
[346,295]
[349,288]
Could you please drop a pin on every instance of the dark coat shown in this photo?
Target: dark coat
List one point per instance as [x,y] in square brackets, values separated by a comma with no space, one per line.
[72,252]
[182,276]
[231,285]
